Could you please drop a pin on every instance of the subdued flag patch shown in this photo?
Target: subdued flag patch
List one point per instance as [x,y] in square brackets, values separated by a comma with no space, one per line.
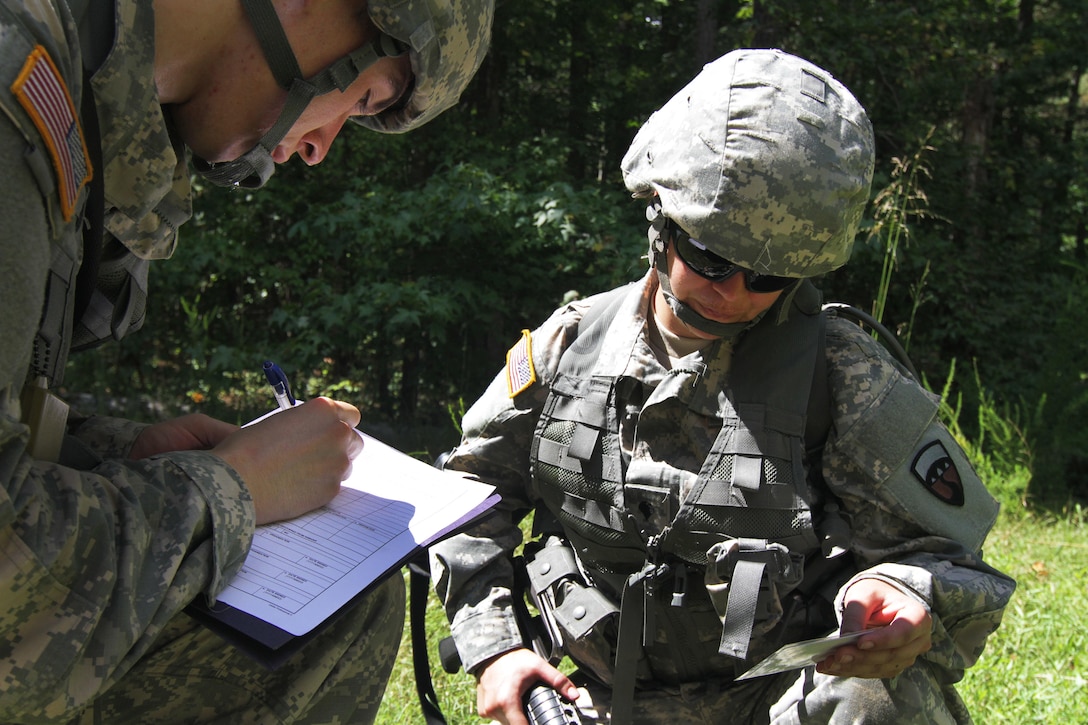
[520,373]
[44,96]
[937,472]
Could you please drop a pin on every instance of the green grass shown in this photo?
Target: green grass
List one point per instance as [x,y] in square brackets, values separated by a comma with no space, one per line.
[1034,669]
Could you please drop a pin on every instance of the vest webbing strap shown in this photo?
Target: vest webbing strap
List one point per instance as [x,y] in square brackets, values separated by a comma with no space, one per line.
[740,611]
[580,358]
[629,638]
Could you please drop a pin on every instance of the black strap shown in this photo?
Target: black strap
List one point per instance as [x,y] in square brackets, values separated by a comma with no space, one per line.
[419,590]
[818,415]
[95,208]
[273,40]
[95,19]
[883,333]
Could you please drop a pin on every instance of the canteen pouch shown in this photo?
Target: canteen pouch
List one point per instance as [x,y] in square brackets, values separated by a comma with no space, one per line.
[746,580]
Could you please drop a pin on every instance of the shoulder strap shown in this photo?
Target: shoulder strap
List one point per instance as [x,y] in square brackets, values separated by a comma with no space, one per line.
[819,409]
[95,19]
[94,214]
[579,359]
[818,415]
[64,305]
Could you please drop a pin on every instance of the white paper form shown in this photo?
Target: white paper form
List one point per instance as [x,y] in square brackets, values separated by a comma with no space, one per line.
[300,572]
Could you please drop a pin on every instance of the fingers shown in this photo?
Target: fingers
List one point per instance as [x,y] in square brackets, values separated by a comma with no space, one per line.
[902,631]
[503,682]
[355,447]
[348,415]
[195,431]
[851,661]
[559,682]
[346,412]
[293,461]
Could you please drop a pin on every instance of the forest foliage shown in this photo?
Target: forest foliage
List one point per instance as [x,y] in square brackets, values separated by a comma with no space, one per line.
[396,274]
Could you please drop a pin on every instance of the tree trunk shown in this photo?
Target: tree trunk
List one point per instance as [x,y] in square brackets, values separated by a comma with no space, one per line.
[578,115]
[706,30]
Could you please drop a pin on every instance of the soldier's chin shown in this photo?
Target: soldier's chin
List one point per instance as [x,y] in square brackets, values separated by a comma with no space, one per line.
[220,153]
[221,157]
[713,316]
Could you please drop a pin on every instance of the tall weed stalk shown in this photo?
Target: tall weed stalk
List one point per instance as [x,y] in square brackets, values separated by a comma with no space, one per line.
[1001,452]
[895,205]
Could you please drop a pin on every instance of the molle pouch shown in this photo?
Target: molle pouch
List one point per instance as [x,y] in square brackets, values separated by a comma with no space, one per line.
[582,620]
[589,622]
[746,580]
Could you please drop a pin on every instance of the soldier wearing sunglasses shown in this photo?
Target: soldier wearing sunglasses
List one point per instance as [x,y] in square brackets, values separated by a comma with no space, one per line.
[716,467]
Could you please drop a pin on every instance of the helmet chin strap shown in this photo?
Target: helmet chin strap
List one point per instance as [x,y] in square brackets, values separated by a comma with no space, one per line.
[253,168]
[724,330]
[659,261]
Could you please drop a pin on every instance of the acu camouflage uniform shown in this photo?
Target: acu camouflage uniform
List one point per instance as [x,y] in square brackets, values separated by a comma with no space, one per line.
[698,470]
[676,428]
[99,554]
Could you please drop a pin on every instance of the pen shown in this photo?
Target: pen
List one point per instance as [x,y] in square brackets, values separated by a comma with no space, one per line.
[280,387]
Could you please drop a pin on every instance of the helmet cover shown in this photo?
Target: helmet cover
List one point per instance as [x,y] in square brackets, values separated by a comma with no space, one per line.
[765,158]
[448,40]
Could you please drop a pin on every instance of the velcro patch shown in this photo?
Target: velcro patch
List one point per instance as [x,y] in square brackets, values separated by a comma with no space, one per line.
[937,472]
[44,96]
[520,373]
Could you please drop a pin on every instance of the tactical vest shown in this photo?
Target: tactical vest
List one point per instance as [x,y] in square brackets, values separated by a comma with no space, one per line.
[734,549]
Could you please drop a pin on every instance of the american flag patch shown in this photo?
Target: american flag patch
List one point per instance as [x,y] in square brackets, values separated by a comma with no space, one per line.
[520,373]
[44,96]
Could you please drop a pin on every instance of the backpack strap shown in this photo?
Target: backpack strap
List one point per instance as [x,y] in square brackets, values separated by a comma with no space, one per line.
[95,19]
[818,415]
[95,209]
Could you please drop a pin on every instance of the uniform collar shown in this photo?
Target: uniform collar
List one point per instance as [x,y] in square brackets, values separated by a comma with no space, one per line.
[148,195]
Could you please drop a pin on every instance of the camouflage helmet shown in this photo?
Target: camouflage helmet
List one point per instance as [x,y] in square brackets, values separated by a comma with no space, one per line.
[447,41]
[764,158]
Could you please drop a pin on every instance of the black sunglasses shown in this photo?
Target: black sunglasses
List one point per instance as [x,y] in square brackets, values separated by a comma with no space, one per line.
[708,265]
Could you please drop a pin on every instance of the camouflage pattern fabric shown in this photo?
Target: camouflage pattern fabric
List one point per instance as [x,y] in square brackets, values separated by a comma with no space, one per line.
[473,573]
[765,158]
[448,41]
[147,177]
[192,676]
[99,554]
[915,697]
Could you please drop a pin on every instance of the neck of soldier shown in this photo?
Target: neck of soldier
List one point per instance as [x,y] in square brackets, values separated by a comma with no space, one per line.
[676,338]
[192,38]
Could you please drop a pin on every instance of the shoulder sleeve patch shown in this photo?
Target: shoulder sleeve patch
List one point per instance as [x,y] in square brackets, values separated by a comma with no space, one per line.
[44,96]
[520,373]
[917,465]
[937,472]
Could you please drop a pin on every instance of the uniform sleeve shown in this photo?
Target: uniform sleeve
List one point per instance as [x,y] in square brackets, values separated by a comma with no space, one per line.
[918,512]
[473,571]
[93,563]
